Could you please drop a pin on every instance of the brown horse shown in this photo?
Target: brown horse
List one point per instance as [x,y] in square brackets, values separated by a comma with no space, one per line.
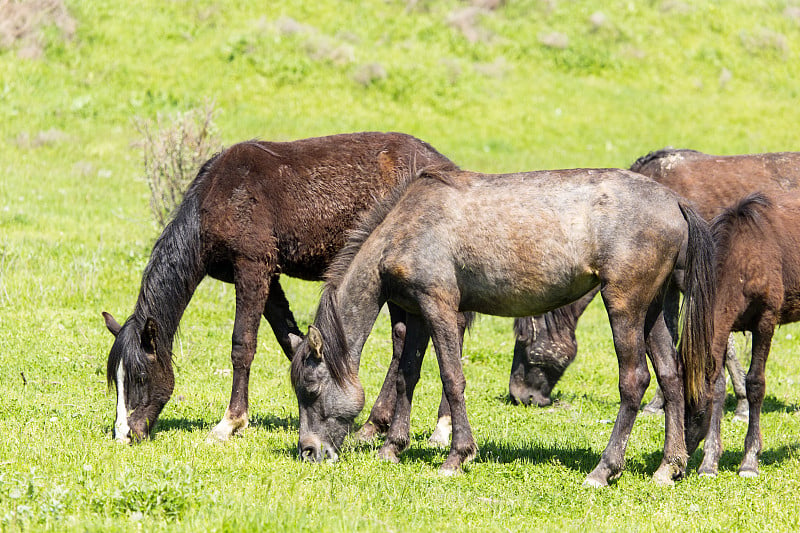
[545,344]
[512,245]
[255,211]
[758,272]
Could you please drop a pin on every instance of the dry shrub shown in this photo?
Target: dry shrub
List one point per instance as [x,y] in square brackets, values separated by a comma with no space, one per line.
[22,24]
[369,73]
[467,21]
[554,40]
[174,149]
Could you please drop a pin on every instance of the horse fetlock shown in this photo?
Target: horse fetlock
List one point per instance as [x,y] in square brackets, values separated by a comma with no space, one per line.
[228,427]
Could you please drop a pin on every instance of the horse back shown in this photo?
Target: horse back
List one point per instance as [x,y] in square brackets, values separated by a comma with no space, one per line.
[553,235]
[713,182]
[290,204]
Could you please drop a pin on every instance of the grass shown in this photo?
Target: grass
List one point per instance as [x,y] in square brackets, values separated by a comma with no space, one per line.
[76,231]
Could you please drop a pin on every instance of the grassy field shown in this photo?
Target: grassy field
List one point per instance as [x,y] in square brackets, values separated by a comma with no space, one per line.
[531,84]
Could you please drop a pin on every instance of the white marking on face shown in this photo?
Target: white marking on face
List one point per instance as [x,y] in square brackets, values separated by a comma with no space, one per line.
[121,428]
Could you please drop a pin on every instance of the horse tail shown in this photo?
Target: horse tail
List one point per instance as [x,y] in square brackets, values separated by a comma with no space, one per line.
[746,215]
[697,311]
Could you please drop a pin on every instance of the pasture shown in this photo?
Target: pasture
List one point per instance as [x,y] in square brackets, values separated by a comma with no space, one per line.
[528,85]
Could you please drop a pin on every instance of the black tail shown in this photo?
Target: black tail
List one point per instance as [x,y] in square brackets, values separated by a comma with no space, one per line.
[697,312]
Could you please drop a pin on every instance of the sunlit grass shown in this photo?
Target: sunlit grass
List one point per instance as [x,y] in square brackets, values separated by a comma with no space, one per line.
[76,232]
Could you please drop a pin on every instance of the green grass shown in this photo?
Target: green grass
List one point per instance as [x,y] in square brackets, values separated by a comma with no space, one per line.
[76,231]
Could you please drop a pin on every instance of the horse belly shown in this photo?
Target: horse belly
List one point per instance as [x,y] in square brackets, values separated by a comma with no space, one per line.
[524,293]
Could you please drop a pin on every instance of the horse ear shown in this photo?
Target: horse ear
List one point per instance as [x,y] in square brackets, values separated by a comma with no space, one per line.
[150,337]
[294,341]
[112,325]
[315,341]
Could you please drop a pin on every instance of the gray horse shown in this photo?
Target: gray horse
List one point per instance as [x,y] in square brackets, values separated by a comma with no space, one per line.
[514,245]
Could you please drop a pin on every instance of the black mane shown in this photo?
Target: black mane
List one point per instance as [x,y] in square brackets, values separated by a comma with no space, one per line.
[372,219]
[658,154]
[173,272]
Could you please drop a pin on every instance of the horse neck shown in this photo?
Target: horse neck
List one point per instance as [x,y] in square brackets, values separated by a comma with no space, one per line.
[359,301]
[175,268]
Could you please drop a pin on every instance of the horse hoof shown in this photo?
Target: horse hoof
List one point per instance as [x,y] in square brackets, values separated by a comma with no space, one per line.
[707,472]
[447,471]
[663,479]
[216,438]
[367,433]
[388,455]
[748,473]
[652,411]
[593,483]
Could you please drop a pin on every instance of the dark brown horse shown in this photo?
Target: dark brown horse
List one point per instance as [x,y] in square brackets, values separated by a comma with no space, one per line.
[758,272]
[512,245]
[545,344]
[255,211]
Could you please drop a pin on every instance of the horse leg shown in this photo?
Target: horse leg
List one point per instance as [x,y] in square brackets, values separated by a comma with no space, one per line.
[252,289]
[712,448]
[737,380]
[671,309]
[444,424]
[383,409]
[280,317]
[416,342]
[628,333]
[447,340]
[756,386]
[668,372]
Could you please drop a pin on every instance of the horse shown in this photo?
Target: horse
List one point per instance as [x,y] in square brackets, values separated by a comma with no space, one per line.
[758,273]
[545,345]
[511,245]
[255,211]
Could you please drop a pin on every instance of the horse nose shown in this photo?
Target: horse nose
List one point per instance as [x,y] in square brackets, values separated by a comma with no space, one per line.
[519,395]
[309,449]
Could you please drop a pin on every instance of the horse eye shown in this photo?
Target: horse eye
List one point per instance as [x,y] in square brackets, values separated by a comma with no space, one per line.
[142,377]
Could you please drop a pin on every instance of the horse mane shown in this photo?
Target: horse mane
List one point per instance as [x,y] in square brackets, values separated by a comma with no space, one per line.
[329,324]
[748,213]
[327,319]
[173,272]
[658,154]
[371,219]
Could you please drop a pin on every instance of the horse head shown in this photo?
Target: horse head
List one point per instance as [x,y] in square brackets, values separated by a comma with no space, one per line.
[140,366]
[329,399]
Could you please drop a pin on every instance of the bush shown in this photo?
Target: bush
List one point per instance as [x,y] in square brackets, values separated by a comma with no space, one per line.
[174,149]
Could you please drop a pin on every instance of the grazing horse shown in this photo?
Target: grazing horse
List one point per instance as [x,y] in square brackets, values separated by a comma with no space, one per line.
[511,245]
[545,344]
[254,211]
[758,272]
